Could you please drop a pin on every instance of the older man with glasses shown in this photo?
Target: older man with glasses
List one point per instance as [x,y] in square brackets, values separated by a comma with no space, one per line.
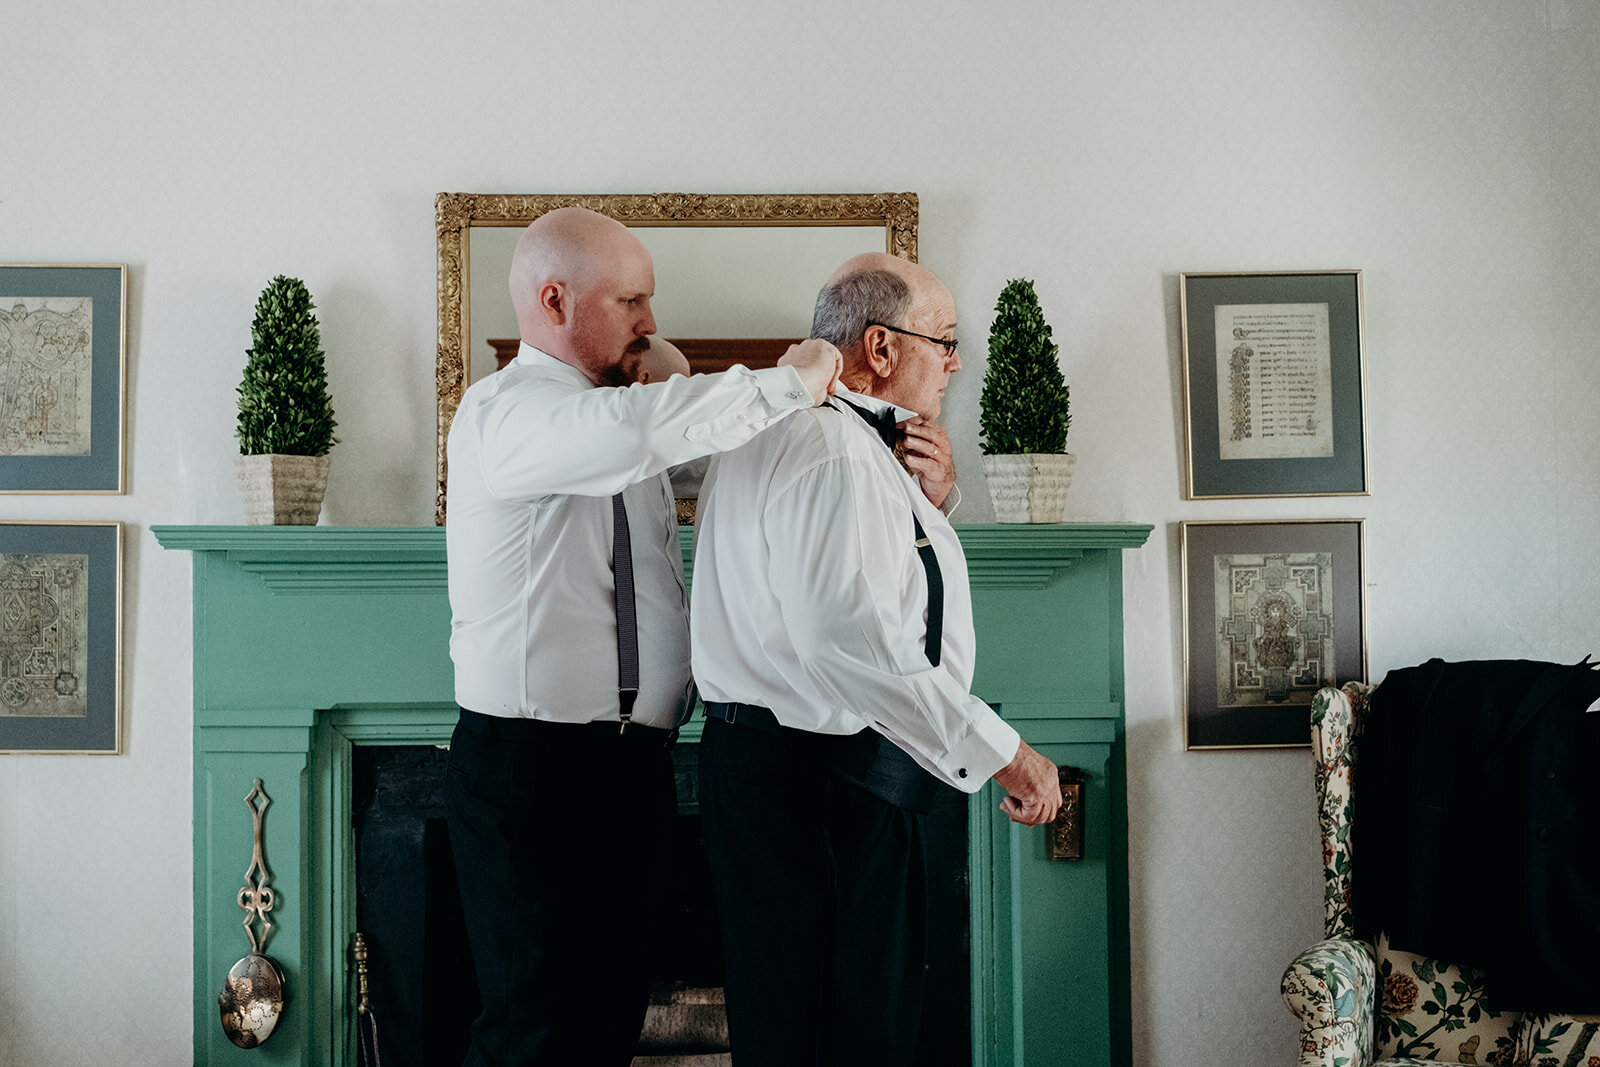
[833,643]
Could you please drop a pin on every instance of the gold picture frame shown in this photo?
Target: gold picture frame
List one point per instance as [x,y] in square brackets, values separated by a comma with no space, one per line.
[456,214]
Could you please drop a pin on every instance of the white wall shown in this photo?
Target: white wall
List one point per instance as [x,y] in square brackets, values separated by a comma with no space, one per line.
[1448,148]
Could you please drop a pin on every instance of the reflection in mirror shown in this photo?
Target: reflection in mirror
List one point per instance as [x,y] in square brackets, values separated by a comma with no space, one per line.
[736,276]
[711,282]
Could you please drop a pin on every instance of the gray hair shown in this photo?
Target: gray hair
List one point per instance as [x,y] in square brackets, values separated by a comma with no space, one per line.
[845,307]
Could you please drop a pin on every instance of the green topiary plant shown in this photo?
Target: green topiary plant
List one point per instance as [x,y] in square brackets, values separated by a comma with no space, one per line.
[284,407]
[1024,405]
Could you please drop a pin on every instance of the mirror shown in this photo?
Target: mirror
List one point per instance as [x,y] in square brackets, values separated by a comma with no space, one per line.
[733,272]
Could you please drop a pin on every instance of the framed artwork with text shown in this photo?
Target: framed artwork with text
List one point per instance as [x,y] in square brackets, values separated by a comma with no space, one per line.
[1273,395]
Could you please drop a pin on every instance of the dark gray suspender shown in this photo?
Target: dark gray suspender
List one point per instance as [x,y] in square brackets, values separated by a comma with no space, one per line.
[627,616]
[930,566]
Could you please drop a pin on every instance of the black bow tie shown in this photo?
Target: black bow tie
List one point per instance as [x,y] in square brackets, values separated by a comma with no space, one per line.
[883,421]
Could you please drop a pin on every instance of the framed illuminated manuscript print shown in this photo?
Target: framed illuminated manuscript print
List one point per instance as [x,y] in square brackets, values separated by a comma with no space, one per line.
[63,343]
[61,637]
[1272,612]
[1273,400]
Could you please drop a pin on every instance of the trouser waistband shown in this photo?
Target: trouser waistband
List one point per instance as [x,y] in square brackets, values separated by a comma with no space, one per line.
[501,727]
[736,714]
[866,759]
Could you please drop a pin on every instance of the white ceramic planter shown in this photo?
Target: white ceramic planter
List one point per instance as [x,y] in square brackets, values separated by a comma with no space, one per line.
[282,490]
[1031,487]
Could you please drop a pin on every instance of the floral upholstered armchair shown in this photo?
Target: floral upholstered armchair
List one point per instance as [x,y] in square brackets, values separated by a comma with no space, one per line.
[1362,1005]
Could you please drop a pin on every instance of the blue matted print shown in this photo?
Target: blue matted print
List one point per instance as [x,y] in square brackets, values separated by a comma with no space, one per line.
[61,637]
[63,345]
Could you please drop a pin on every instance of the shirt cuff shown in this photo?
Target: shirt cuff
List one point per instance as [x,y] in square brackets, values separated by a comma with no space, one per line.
[782,387]
[982,754]
[951,502]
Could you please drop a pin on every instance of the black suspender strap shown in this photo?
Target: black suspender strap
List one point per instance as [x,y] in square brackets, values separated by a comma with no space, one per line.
[883,422]
[930,565]
[627,618]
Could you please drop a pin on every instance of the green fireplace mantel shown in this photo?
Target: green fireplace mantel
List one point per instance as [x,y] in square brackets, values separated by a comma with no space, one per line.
[309,641]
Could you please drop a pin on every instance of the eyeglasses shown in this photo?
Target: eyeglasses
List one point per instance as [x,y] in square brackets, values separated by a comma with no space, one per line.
[949,346]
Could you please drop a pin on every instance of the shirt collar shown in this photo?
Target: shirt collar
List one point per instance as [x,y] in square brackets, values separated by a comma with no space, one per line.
[872,403]
[529,356]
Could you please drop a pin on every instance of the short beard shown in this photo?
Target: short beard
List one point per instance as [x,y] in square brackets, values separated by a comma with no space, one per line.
[626,370]
[617,374]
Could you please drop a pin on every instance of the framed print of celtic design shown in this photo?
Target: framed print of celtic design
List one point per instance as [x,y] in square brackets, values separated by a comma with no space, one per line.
[1272,612]
[61,637]
[63,357]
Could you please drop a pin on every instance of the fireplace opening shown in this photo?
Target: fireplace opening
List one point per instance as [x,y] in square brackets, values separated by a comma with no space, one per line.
[421,985]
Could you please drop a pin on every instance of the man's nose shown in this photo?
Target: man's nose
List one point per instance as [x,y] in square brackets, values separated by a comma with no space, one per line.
[649,323]
[954,363]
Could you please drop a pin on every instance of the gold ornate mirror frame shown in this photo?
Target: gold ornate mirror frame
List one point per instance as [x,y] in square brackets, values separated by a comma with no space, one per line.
[456,213]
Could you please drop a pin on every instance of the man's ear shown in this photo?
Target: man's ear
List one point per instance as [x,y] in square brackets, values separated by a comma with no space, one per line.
[552,297]
[880,358]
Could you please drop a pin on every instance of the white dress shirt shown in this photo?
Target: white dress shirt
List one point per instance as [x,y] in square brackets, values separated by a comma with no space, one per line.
[535,453]
[810,599]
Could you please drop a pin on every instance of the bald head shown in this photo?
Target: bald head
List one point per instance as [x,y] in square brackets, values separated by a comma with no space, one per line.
[661,361]
[581,285]
[567,245]
[913,273]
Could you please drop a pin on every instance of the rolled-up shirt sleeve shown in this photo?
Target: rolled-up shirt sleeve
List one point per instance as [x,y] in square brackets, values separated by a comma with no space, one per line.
[839,554]
[537,440]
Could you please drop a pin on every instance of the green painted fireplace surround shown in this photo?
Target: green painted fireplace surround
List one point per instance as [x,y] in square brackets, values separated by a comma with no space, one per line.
[309,641]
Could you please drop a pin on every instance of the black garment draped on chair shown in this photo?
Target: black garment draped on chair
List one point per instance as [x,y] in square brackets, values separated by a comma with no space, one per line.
[1479,817]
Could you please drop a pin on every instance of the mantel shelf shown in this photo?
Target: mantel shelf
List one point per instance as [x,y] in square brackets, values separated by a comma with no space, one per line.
[411,559]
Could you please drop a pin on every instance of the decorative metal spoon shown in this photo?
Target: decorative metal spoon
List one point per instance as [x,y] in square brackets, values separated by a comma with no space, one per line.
[252,995]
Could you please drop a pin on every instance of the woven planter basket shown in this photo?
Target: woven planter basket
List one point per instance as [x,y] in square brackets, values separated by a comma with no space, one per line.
[282,490]
[1031,487]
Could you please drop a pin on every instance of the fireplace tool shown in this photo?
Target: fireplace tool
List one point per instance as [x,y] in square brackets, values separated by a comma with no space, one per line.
[252,995]
[366,1022]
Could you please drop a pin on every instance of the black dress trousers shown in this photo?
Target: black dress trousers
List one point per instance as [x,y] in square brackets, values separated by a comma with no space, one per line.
[562,843]
[820,886]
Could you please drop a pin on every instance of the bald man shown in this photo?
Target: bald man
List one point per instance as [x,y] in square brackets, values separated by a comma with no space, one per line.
[569,634]
[833,644]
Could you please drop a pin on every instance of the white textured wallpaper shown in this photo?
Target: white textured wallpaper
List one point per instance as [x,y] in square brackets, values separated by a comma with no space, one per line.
[1448,148]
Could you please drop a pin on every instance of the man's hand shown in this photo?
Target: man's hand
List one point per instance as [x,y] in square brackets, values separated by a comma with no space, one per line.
[1034,785]
[927,451]
[819,365]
